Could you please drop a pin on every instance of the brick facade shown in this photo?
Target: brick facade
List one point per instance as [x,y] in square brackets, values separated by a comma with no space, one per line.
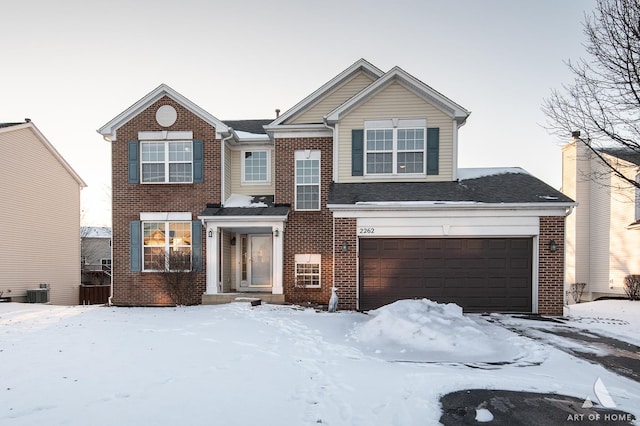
[307,232]
[144,288]
[346,264]
[551,266]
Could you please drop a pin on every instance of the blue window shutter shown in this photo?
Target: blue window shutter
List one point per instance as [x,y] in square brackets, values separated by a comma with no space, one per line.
[134,162]
[198,161]
[357,152]
[196,245]
[135,245]
[433,151]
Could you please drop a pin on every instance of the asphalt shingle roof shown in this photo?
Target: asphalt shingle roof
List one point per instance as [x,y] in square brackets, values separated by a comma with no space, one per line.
[250,126]
[500,188]
[9,124]
[624,154]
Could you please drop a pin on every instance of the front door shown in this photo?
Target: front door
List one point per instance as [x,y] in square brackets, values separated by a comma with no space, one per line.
[256,261]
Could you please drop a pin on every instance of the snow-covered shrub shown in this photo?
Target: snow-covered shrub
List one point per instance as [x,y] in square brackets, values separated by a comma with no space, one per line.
[576,290]
[632,286]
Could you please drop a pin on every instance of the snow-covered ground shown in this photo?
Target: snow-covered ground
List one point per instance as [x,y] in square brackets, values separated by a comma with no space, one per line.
[279,365]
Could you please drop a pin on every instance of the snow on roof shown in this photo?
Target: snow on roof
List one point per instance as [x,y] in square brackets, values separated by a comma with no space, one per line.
[478,172]
[247,135]
[238,200]
[95,232]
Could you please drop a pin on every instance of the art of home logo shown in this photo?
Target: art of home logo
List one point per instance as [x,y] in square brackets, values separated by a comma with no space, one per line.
[602,394]
[606,401]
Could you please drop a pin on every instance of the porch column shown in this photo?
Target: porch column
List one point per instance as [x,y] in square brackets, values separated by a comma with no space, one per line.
[278,247]
[212,259]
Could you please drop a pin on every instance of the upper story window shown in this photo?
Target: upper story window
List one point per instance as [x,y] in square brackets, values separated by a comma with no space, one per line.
[307,178]
[395,147]
[166,161]
[637,190]
[255,167]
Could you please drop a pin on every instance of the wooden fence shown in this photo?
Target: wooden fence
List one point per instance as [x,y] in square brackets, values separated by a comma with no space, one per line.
[94,294]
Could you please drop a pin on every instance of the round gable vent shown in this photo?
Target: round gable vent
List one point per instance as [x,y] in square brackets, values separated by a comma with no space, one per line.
[166,115]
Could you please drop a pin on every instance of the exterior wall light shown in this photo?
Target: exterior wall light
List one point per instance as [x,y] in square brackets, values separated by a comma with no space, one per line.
[553,246]
[345,247]
[210,232]
[276,232]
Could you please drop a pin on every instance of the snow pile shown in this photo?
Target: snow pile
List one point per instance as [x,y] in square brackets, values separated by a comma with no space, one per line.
[423,330]
[237,200]
[483,415]
[478,172]
[615,317]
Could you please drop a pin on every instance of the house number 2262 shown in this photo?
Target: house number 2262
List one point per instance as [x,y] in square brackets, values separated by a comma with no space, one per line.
[366,231]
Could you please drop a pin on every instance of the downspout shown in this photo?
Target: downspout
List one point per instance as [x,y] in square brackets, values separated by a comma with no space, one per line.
[335,178]
[222,200]
[223,168]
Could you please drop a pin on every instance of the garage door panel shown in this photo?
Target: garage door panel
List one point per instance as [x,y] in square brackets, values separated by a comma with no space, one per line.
[480,274]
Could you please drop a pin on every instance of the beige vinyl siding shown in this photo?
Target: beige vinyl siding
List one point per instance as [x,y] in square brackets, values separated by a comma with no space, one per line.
[227,173]
[40,220]
[334,99]
[623,243]
[237,187]
[576,186]
[395,101]
[226,260]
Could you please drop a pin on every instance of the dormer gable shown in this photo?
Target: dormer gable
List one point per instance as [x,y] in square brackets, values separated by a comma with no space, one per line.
[109,130]
[336,91]
[406,80]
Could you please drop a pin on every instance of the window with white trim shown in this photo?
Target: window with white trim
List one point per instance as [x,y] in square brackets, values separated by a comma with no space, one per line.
[308,270]
[637,218]
[255,167]
[395,147]
[160,238]
[166,161]
[307,178]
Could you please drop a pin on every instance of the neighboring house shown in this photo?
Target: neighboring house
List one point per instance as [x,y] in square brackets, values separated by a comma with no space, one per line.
[603,234]
[95,254]
[356,186]
[39,217]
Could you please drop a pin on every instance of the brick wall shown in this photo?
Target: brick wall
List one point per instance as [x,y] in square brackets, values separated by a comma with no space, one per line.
[346,263]
[551,266]
[137,288]
[307,232]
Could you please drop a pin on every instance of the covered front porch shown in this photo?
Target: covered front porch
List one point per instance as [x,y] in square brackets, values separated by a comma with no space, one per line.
[244,254]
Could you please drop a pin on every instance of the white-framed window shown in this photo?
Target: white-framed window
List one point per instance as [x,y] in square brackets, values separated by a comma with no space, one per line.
[637,218]
[395,147]
[160,238]
[308,270]
[307,179]
[166,161]
[255,167]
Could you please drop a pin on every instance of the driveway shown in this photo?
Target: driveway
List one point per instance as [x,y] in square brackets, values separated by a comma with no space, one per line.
[615,355]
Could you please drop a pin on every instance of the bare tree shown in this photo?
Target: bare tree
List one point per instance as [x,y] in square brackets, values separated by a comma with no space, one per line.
[603,102]
[178,276]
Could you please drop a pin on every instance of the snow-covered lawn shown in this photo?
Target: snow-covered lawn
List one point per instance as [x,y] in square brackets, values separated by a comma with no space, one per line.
[278,365]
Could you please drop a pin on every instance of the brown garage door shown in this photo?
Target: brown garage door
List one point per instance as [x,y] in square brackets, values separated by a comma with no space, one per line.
[479,274]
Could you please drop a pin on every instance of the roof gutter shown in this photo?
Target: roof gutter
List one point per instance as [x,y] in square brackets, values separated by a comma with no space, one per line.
[442,205]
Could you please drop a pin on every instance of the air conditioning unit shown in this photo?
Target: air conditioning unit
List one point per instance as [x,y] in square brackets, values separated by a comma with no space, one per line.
[38,295]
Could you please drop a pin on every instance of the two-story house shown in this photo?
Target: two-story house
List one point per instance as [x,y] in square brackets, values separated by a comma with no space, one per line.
[603,234]
[356,186]
[36,253]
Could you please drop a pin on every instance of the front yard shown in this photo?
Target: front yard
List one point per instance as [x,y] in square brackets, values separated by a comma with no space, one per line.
[275,365]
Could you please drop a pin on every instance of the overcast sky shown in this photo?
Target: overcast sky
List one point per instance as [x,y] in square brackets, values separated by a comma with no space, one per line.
[72,66]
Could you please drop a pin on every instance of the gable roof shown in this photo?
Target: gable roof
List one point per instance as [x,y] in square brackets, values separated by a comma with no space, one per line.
[359,65]
[397,74]
[506,188]
[15,127]
[108,131]
[2,125]
[624,154]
